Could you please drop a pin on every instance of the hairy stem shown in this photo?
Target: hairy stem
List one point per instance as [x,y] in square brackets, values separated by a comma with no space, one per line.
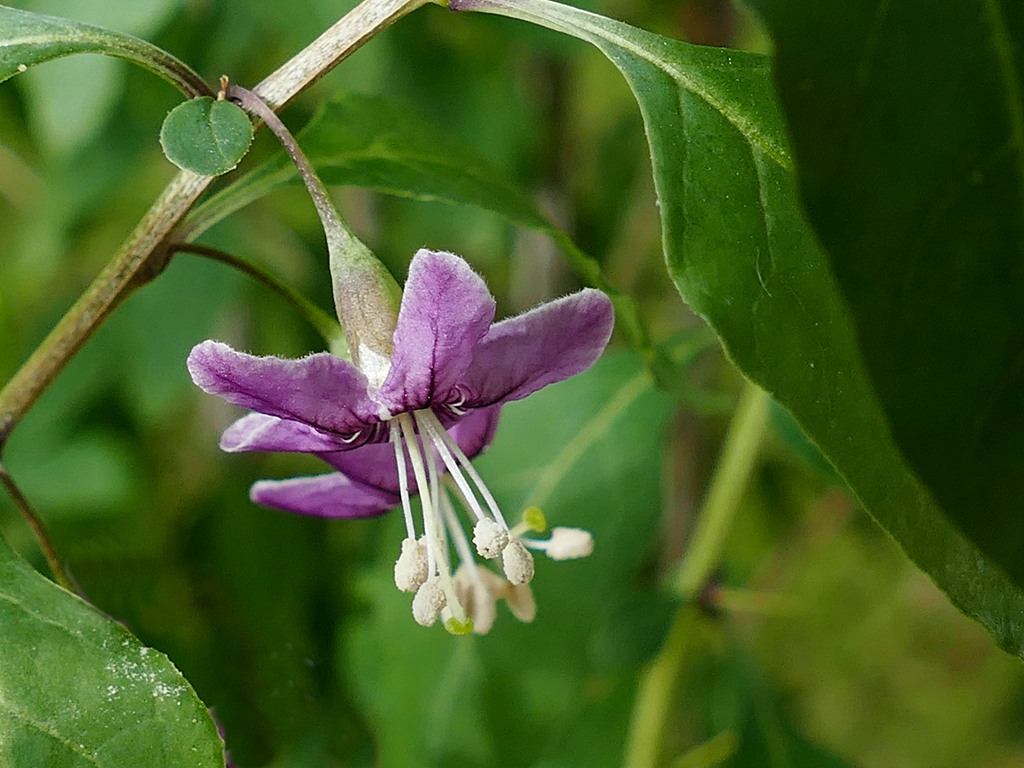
[145,254]
[39,529]
[737,461]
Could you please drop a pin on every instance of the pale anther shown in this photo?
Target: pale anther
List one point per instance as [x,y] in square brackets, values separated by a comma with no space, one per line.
[411,566]
[489,538]
[517,563]
[428,602]
[521,603]
[569,544]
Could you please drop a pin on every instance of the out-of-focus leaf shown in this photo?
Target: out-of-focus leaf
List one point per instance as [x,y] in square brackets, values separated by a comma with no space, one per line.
[77,689]
[28,38]
[908,129]
[206,136]
[743,256]
[512,697]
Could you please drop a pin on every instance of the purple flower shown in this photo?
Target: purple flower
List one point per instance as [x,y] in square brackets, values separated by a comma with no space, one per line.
[392,426]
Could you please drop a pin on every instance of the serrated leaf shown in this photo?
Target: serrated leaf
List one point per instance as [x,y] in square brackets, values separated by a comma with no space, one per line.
[206,136]
[77,689]
[742,255]
[28,38]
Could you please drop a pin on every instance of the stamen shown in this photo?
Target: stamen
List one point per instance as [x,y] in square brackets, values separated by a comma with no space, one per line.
[427,604]
[480,601]
[411,566]
[467,465]
[490,538]
[564,544]
[520,601]
[435,435]
[517,563]
[436,555]
[403,481]
[458,536]
[420,472]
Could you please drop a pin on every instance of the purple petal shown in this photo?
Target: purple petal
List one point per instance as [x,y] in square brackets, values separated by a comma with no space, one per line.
[476,431]
[446,309]
[374,465]
[332,495]
[258,432]
[321,390]
[556,340]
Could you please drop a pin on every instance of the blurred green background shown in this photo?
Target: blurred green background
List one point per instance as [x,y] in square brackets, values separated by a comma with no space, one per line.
[826,648]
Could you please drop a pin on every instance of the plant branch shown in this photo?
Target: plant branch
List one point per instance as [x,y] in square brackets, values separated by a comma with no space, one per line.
[39,529]
[145,254]
[704,551]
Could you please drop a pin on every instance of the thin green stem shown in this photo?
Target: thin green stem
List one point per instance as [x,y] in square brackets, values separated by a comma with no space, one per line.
[704,551]
[145,253]
[325,325]
[737,461]
[39,530]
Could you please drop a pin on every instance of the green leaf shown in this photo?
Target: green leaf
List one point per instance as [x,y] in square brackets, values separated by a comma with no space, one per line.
[739,249]
[29,38]
[206,136]
[912,172]
[77,689]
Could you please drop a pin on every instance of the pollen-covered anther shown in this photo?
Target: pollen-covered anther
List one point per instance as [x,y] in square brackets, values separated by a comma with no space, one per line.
[411,566]
[490,538]
[520,601]
[569,544]
[517,562]
[428,602]
[478,590]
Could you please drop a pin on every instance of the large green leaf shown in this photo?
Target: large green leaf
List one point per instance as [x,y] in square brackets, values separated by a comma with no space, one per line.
[77,689]
[28,38]
[908,127]
[741,253]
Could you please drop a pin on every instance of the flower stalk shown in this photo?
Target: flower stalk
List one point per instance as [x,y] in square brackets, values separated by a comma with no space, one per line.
[366,296]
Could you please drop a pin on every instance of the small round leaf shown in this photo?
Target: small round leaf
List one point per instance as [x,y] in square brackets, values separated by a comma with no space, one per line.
[206,136]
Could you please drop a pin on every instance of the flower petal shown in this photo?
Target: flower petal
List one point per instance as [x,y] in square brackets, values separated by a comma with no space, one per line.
[552,342]
[332,495]
[258,432]
[446,309]
[476,431]
[321,390]
[374,465]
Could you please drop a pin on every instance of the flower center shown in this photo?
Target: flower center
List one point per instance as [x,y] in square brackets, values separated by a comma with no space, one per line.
[466,599]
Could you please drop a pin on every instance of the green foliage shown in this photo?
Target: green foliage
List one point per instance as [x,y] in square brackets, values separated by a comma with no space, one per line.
[206,136]
[908,129]
[29,38]
[743,257]
[77,689]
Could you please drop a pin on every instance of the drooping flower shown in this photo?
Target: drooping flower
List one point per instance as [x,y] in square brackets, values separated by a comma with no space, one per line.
[392,427]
